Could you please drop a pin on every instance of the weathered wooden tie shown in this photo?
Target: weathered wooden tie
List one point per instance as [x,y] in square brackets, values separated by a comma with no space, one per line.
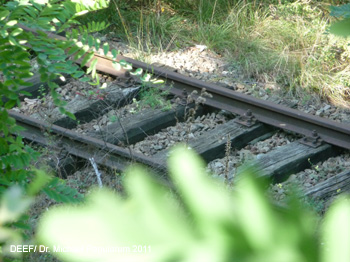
[330,188]
[283,161]
[83,147]
[145,123]
[34,89]
[212,144]
[85,109]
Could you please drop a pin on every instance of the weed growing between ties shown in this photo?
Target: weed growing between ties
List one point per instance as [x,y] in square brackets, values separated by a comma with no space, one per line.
[154,96]
[192,103]
[283,42]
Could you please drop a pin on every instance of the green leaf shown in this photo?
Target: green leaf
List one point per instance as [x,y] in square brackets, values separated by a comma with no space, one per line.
[87,58]
[117,66]
[146,77]
[115,53]
[78,74]
[122,62]
[4,14]
[32,12]
[50,51]
[137,72]
[11,23]
[4,33]
[157,81]
[97,83]
[70,115]
[340,11]
[52,85]
[11,103]
[73,50]
[13,204]
[92,66]
[16,32]
[105,48]
[90,41]
[125,64]
[25,92]
[341,28]
[81,13]
[60,192]
[57,57]
[85,79]
[40,180]
[84,38]
[13,41]
[81,52]
[128,66]
[21,225]
[336,232]
[97,44]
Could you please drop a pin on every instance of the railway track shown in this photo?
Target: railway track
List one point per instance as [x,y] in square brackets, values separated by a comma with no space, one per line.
[240,121]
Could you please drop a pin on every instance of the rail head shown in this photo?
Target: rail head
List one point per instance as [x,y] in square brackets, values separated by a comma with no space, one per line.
[279,116]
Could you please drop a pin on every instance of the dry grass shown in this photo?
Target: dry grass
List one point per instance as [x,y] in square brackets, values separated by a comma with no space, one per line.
[284,42]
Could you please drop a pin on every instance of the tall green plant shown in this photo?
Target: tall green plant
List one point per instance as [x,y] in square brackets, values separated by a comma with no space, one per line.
[55,57]
[200,221]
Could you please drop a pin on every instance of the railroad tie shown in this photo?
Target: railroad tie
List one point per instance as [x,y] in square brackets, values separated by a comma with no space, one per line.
[285,160]
[147,122]
[211,145]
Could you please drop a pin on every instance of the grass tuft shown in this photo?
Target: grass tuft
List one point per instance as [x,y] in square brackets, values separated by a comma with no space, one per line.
[284,42]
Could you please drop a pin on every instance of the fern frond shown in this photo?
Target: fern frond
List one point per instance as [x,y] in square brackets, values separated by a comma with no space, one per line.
[60,192]
[89,28]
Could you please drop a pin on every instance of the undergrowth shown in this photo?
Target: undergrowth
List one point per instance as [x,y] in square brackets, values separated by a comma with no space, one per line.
[155,97]
[284,42]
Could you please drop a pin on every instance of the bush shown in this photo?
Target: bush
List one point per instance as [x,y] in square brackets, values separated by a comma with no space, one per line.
[19,182]
[199,221]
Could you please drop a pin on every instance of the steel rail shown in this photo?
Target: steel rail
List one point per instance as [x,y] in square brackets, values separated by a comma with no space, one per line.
[103,64]
[279,116]
[82,146]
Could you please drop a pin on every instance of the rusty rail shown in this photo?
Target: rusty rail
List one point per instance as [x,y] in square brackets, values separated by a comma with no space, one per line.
[82,146]
[279,116]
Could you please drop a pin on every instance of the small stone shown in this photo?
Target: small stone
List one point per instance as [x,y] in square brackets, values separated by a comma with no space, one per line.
[265,149]
[240,86]
[64,92]
[262,92]
[319,112]
[195,127]
[104,120]
[292,178]
[218,165]
[158,147]
[206,127]
[259,156]
[171,131]
[326,107]
[191,135]
[161,136]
